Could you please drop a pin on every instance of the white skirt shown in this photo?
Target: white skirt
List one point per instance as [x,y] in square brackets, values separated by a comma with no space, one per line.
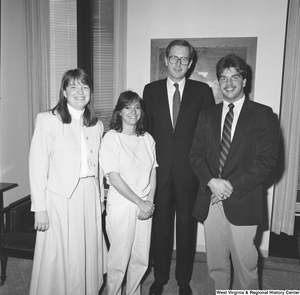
[70,257]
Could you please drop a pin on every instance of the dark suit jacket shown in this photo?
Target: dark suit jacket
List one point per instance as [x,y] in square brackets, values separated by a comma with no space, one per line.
[251,158]
[169,146]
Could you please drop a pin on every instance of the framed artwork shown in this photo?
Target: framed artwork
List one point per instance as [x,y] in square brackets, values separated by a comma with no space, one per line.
[209,52]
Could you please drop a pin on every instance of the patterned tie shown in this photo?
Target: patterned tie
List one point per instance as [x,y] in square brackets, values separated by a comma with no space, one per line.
[176,104]
[226,138]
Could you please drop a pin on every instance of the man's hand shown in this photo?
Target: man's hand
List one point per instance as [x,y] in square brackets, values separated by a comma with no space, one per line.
[41,221]
[221,189]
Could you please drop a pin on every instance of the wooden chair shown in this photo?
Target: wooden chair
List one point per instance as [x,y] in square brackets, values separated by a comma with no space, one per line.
[17,235]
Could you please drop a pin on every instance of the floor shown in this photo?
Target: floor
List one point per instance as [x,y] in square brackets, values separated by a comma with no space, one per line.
[275,274]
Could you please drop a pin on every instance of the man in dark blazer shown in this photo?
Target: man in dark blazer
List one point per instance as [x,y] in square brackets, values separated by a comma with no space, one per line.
[229,200]
[177,184]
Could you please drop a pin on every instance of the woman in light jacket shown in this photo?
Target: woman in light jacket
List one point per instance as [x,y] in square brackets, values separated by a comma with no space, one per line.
[66,197]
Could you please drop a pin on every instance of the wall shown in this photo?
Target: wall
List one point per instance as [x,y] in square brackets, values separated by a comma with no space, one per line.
[14,140]
[211,18]
[146,20]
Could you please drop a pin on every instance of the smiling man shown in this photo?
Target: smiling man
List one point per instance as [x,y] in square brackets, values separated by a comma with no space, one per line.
[173,106]
[234,150]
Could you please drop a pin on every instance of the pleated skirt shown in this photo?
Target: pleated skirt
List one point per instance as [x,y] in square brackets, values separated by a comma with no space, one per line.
[70,257]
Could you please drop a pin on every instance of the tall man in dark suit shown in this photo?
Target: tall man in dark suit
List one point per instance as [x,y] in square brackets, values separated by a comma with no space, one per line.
[173,106]
[234,150]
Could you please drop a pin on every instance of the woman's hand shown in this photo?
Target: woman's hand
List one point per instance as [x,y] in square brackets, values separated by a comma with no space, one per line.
[41,221]
[146,209]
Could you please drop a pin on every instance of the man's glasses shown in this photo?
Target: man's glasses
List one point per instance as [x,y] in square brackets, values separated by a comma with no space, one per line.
[174,59]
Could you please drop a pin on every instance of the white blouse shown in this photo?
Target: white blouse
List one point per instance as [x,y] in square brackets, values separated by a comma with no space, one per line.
[133,157]
[85,169]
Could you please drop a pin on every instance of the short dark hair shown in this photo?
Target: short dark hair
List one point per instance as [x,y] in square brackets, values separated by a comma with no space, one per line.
[231,61]
[127,98]
[89,117]
[180,42]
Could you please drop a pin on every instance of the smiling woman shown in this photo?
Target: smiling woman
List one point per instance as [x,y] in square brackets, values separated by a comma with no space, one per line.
[128,159]
[77,95]
[75,91]
[131,114]
[65,192]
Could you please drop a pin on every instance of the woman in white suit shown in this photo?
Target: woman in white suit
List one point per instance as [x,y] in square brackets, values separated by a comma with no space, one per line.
[66,197]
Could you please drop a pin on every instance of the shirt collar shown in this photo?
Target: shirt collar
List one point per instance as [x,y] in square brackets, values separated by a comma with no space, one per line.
[237,104]
[75,113]
[170,84]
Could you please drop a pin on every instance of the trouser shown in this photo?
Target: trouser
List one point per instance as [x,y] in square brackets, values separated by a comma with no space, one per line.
[223,240]
[168,202]
[129,240]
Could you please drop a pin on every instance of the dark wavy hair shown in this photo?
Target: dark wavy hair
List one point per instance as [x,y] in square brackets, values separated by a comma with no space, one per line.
[231,61]
[184,43]
[89,117]
[127,98]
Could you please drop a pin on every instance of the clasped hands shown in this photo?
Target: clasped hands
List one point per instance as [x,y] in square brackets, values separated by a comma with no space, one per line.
[146,209]
[221,190]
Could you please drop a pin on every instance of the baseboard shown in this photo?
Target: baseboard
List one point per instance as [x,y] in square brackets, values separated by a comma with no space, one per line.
[200,248]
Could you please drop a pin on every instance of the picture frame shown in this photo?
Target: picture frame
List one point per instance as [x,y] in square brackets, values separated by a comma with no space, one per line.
[209,52]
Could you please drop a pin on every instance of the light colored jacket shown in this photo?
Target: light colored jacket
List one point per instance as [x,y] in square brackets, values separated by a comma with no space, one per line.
[55,157]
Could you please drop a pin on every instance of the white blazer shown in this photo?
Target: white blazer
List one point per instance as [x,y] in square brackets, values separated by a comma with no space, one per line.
[55,157]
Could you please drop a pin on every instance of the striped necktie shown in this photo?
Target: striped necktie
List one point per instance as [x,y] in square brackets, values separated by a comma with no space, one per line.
[226,138]
[176,104]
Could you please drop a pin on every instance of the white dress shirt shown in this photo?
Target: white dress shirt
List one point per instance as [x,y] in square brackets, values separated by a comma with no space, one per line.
[236,113]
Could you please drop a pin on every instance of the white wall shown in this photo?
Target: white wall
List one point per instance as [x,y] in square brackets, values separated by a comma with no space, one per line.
[14,142]
[211,18]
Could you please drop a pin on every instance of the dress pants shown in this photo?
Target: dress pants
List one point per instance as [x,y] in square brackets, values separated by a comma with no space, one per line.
[223,239]
[169,202]
[129,240]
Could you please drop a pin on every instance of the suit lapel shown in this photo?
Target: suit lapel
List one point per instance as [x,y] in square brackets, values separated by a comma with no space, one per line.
[163,105]
[215,123]
[244,120]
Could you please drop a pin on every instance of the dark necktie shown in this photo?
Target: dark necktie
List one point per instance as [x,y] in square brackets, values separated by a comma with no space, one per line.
[176,104]
[226,138]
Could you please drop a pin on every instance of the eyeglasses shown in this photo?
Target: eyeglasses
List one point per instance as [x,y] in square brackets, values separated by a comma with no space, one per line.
[173,59]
